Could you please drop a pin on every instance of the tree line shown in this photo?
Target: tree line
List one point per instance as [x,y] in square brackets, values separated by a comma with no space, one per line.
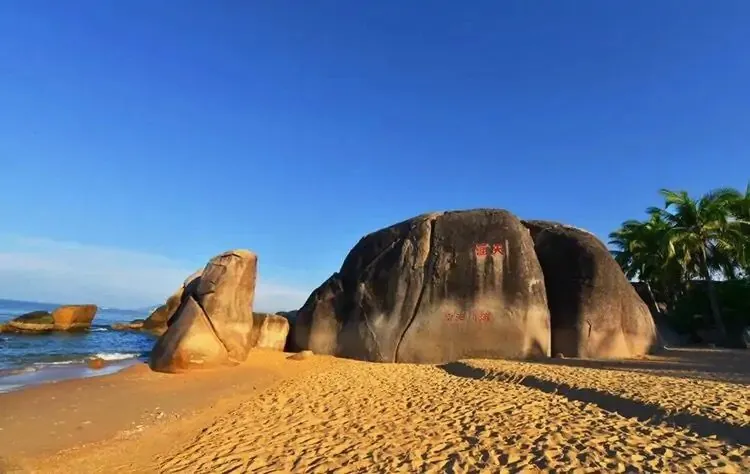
[688,239]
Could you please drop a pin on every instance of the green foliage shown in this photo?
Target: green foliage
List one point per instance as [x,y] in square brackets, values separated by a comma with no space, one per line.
[735,306]
[691,239]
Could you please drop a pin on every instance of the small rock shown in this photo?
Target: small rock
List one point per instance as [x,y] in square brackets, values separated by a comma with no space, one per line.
[95,363]
[301,355]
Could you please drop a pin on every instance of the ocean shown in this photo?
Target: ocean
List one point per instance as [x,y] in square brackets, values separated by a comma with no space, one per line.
[27,359]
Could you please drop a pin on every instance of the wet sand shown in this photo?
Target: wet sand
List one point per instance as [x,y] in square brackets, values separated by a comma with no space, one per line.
[686,411]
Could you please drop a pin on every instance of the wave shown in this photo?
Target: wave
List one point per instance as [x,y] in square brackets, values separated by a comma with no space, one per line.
[22,370]
[107,356]
[98,329]
[116,355]
[59,362]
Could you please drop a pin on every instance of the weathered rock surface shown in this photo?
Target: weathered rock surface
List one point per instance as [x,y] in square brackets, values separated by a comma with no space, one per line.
[595,311]
[214,323]
[269,331]
[64,318]
[157,320]
[431,289]
[134,325]
[35,321]
[72,317]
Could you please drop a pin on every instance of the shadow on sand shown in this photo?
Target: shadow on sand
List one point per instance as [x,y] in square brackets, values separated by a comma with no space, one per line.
[720,365]
[645,412]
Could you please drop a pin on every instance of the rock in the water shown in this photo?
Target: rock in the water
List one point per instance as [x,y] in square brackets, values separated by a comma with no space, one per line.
[301,355]
[96,363]
[35,321]
[157,321]
[269,331]
[74,317]
[435,288]
[133,325]
[214,323]
[595,311]
[64,318]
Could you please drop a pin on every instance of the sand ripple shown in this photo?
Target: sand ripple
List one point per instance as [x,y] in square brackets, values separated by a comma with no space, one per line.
[466,417]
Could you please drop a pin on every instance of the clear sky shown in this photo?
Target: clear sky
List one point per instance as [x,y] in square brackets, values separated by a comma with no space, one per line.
[140,138]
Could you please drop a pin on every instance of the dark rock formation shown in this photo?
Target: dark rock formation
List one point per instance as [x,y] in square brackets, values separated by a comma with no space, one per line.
[35,321]
[214,323]
[595,311]
[435,288]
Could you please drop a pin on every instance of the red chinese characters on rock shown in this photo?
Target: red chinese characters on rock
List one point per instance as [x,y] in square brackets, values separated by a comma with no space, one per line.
[483,249]
[472,316]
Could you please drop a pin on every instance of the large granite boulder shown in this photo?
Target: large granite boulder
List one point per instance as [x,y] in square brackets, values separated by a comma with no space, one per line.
[157,321]
[269,331]
[74,317]
[595,311]
[435,288]
[214,322]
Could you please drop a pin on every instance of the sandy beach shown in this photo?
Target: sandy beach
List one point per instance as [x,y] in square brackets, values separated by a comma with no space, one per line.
[684,411]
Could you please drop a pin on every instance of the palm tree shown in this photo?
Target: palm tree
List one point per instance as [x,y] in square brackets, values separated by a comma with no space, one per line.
[699,238]
[739,207]
[641,251]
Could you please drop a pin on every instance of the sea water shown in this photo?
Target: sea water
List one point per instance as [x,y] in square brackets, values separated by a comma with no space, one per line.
[33,358]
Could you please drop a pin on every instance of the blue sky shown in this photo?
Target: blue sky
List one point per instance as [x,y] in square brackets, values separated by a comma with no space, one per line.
[140,138]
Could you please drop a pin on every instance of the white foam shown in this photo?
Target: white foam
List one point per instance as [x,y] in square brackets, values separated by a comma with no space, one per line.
[115,355]
[59,362]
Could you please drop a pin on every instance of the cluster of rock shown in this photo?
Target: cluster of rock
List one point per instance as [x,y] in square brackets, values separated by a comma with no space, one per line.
[549,289]
[63,318]
[214,323]
[156,322]
[435,288]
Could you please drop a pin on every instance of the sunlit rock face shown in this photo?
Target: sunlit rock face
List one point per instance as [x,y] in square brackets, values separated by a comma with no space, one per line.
[435,288]
[595,311]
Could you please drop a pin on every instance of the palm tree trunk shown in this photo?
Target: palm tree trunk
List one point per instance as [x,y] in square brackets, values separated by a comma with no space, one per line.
[713,299]
[715,309]
[658,317]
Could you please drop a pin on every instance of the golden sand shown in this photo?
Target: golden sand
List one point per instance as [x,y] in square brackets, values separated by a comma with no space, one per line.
[343,416]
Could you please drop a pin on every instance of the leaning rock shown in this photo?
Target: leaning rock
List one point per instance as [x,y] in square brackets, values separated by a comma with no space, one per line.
[435,288]
[595,311]
[157,321]
[269,331]
[214,323]
[72,317]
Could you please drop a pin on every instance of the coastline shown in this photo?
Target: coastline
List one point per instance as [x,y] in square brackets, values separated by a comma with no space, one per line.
[323,414]
[131,415]
[14,380]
